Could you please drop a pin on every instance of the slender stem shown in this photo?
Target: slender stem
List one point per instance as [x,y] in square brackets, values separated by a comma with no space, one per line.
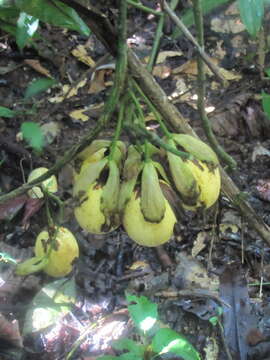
[201,91]
[154,110]
[140,132]
[60,204]
[117,130]
[154,51]
[137,106]
[144,8]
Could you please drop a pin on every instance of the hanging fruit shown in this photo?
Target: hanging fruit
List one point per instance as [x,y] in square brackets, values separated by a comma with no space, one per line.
[49,184]
[147,216]
[196,178]
[96,190]
[61,252]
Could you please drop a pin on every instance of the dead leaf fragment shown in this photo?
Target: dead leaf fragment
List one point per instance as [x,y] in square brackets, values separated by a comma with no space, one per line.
[9,330]
[199,243]
[35,64]
[79,115]
[50,131]
[162,56]
[98,83]
[68,92]
[227,25]
[162,71]
[81,54]
[263,189]
[10,208]
[259,150]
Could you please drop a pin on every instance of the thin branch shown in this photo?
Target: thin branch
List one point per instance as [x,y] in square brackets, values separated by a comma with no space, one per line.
[141,133]
[197,9]
[144,8]
[190,37]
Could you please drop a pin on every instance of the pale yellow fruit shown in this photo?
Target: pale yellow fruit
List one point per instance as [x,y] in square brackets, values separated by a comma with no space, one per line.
[61,258]
[144,232]
[89,214]
[209,183]
[49,184]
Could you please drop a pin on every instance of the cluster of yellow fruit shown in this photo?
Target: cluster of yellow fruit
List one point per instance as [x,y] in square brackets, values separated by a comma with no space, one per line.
[54,253]
[109,194]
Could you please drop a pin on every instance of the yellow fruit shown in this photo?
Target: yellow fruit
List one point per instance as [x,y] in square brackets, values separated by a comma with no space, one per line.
[144,232]
[97,156]
[209,184]
[50,184]
[89,214]
[60,259]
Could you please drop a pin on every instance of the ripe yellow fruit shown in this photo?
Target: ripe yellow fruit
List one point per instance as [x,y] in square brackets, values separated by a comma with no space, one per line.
[89,214]
[144,232]
[60,259]
[49,184]
[209,184]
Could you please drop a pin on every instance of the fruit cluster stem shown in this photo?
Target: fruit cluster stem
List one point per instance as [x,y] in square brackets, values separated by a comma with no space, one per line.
[154,110]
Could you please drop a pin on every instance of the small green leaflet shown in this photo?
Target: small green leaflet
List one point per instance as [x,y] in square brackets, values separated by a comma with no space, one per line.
[33,135]
[130,345]
[54,12]
[267,71]
[39,85]
[144,313]
[6,112]
[169,341]
[266,103]
[27,25]
[251,12]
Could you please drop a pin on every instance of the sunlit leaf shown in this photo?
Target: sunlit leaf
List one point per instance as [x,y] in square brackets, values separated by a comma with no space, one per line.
[169,341]
[33,135]
[27,25]
[251,12]
[54,12]
[51,303]
[143,313]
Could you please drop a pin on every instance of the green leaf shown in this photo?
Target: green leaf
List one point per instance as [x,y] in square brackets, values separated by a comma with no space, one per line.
[108,357]
[8,18]
[27,25]
[267,71]
[39,85]
[9,13]
[169,341]
[5,112]
[188,18]
[251,12]
[50,304]
[144,313]
[130,345]
[54,12]
[266,103]
[129,356]
[33,135]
